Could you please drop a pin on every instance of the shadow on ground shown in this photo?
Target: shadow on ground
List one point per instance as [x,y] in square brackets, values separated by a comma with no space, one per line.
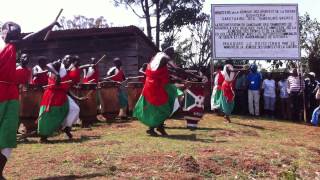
[71,177]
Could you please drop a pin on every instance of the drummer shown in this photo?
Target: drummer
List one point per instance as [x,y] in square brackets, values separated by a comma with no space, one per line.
[55,104]
[11,34]
[40,72]
[74,71]
[90,72]
[159,98]
[71,64]
[23,73]
[116,74]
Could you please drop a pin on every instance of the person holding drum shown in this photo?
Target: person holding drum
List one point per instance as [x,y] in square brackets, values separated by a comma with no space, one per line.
[9,105]
[116,74]
[39,72]
[159,98]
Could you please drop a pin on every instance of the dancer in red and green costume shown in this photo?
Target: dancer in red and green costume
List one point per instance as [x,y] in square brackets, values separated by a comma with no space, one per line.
[116,74]
[216,92]
[54,106]
[159,98]
[227,97]
[9,105]
[71,63]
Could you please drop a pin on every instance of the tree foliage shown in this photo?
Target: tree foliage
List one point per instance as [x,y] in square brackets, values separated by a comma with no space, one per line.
[195,50]
[310,42]
[82,22]
[164,15]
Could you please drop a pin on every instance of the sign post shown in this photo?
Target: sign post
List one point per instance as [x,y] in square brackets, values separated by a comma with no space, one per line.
[255,32]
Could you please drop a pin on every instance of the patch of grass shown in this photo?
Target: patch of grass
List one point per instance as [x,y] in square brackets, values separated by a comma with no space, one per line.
[244,149]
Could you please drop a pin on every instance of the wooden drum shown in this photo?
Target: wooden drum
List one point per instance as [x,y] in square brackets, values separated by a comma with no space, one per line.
[29,99]
[88,107]
[134,92]
[109,92]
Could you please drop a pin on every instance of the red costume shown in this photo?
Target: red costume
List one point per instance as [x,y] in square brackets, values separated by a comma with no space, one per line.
[23,75]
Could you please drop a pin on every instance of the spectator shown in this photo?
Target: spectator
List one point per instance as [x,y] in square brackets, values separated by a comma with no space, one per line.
[254,82]
[295,90]
[269,95]
[241,95]
[316,112]
[284,97]
[310,92]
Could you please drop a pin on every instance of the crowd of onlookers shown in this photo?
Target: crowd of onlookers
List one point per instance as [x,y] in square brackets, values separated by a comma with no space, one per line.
[282,95]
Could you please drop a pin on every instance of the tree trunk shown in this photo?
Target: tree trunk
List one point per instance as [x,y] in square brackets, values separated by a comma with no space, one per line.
[148,20]
[158,24]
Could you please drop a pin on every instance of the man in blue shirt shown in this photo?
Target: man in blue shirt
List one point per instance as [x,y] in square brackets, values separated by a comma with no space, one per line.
[254,83]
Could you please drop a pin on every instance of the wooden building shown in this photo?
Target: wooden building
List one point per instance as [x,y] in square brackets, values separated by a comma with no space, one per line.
[129,43]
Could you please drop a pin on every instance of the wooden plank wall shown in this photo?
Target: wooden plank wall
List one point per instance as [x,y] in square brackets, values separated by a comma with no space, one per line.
[131,49]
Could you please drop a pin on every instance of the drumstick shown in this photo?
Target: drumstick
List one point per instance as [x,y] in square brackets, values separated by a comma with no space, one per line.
[5,82]
[49,32]
[135,77]
[100,59]
[91,80]
[64,82]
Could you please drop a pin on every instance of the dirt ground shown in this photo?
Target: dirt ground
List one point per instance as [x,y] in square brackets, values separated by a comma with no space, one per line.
[247,148]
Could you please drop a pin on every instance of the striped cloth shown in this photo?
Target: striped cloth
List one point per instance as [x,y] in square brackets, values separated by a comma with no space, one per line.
[295,84]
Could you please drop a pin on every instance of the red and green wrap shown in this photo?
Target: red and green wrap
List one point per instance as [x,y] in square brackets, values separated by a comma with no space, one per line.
[159,98]
[53,107]
[9,105]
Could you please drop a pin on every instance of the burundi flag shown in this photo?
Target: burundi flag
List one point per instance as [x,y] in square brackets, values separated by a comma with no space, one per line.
[159,98]
[194,102]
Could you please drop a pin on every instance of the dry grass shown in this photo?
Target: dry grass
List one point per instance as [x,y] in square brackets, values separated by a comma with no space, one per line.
[245,149]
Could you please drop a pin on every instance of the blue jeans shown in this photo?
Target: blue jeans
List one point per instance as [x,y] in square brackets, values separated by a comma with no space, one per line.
[315,116]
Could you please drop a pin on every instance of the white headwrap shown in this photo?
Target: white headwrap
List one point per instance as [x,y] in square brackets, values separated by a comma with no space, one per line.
[228,77]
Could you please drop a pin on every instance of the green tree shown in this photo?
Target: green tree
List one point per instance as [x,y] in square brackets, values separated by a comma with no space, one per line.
[82,22]
[310,42]
[195,50]
[166,15]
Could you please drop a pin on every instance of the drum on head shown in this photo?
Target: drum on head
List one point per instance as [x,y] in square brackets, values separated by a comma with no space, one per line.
[134,92]
[109,92]
[88,107]
[29,99]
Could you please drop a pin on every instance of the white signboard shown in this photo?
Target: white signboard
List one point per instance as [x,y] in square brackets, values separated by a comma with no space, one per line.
[255,31]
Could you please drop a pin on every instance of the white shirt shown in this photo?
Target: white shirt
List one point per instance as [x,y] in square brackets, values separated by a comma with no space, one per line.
[283,86]
[269,87]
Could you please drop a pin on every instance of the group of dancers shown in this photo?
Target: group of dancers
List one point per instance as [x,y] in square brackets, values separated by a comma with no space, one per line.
[159,99]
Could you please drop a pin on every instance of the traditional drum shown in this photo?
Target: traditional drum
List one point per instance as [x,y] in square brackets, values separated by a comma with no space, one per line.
[29,99]
[193,106]
[109,100]
[134,92]
[88,107]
